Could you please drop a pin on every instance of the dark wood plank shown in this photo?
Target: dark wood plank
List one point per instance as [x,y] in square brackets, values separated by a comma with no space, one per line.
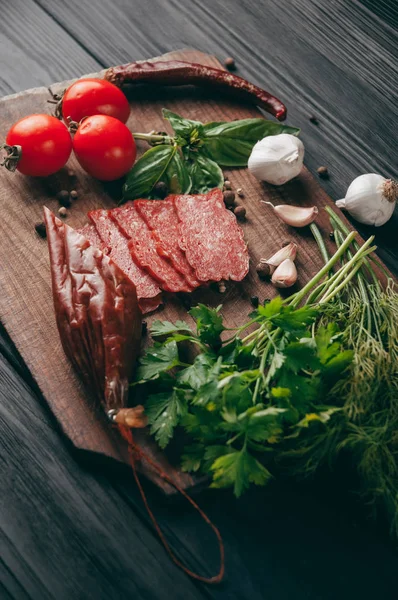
[280,546]
[332,59]
[35,50]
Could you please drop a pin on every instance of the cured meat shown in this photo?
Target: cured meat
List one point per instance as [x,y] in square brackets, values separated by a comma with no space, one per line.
[148,291]
[211,237]
[161,218]
[90,233]
[97,312]
[143,248]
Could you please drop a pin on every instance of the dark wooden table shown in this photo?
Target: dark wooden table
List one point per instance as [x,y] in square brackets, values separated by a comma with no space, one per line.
[76,531]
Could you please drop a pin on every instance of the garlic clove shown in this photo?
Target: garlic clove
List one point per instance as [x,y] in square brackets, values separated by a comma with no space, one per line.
[285,275]
[296,216]
[276,159]
[289,251]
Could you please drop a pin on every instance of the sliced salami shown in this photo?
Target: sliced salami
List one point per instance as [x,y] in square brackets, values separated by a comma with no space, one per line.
[148,291]
[211,237]
[161,218]
[143,249]
[90,233]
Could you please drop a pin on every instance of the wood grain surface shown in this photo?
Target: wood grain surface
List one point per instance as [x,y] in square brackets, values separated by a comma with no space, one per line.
[72,532]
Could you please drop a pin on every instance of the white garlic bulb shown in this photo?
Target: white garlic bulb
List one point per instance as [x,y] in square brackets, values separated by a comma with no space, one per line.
[277,159]
[370,199]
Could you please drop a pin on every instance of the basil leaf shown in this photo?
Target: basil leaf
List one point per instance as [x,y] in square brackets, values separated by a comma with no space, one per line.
[147,171]
[230,143]
[182,127]
[205,174]
[177,177]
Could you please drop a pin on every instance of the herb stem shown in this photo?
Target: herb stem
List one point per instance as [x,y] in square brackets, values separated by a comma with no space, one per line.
[309,286]
[154,138]
[319,240]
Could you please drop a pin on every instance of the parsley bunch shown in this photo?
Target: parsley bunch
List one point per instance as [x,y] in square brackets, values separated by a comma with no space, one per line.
[241,401]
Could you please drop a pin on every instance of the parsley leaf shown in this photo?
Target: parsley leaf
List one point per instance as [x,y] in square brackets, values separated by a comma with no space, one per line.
[164,412]
[209,324]
[159,328]
[157,359]
[238,469]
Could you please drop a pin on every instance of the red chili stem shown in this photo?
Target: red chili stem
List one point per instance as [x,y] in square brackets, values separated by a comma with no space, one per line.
[136,454]
[178,72]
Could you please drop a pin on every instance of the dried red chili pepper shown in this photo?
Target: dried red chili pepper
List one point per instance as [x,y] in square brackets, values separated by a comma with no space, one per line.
[178,72]
[97,312]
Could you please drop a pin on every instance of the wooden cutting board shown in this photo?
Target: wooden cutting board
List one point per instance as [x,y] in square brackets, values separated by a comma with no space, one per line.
[26,307]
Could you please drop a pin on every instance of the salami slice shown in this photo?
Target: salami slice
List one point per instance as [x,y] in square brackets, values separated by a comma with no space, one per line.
[148,291]
[90,233]
[161,218]
[211,237]
[143,248]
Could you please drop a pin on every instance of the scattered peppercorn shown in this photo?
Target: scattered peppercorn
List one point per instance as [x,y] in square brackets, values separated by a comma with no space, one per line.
[263,270]
[229,198]
[229,62]
[314,120]
[160,189]
[254,301]
[62,211]
[240,193]
[64,198]
[285,243]
[144,327]
[74,194]
[240,212]
[227,185]
[323,172]
[41,230]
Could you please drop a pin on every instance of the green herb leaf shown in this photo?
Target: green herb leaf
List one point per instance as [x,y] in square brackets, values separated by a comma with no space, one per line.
[182,127]
[238,469]
[159,328]
[157,359]
[295,321]
[147,171]
[205,174]
[191,460]
[209,323]
[197,374]
[230,143]
[176,176]
[164,412]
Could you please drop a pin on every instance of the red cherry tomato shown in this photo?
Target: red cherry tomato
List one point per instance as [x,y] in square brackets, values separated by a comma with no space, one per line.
[104,147]
[88,97]
[45,144]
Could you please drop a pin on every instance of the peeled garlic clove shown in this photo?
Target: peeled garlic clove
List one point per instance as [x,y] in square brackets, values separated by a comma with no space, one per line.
[370,199]
[277,159]
[289,251]
[296,216]
[285,275]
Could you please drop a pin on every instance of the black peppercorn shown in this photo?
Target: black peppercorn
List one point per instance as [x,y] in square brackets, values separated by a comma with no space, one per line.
[64,198]
[229,198]
[41,230]
[160,189]
[254,301]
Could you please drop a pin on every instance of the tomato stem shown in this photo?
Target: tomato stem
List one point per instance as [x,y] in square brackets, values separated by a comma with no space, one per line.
[14,154]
